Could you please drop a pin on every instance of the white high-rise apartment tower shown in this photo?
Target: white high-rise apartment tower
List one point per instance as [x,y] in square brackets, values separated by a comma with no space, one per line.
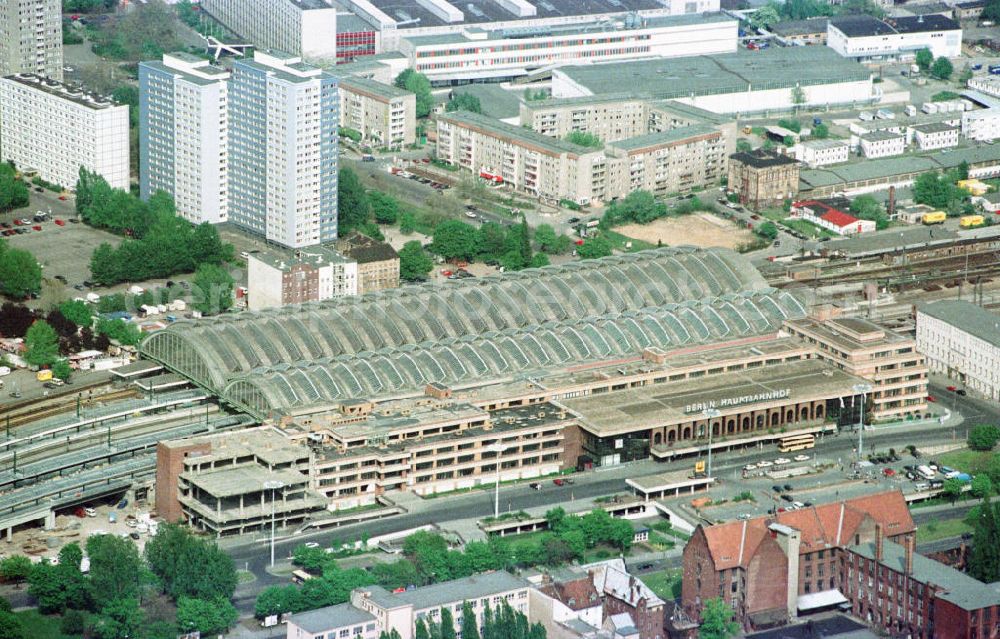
[31,38]
[306,28]
[183,135]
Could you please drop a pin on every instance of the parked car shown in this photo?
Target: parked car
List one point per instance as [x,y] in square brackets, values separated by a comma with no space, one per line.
[776,488]
[801,458]
[558,482]
[535,485]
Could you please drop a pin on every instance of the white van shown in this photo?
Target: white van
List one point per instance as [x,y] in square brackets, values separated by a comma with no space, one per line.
[925,472]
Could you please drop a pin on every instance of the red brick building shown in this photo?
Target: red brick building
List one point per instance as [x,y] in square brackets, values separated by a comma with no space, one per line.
[748,563]
[909,595]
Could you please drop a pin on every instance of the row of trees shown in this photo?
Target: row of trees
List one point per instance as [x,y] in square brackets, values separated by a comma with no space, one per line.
[146,32]
[866,207]
[940,191]
[940,68]
[641,207]
[502,622]
[774,12]
[158,244]
[108,601]
[510,247]
[464,102]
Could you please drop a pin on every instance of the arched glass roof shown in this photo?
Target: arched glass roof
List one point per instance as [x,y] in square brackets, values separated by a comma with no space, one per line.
[499,355]
[215,350]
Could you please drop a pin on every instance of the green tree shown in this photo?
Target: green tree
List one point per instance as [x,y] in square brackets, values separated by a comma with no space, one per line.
[717,620]
[419,84]
[584,138]
[414,263]
[397,574]
[952,489]
[470,623]
[820,131]
[420,631]
[115,569]
[464,102]
[61,369]
[991,11]
[384,206]
[210,616]
[743,146]
[189,566]
[42,344]
[942,69]
[15,568]
[981,486]
[118,618]
[640,207]
[984,556]
[353,208]
[798,96]
[392,634]
[447,623]
[212,288]
[767,230]
[764,17]
[13,192]
[118,330]
[546,239]
[454,239]
[593,248]
[866,207]
[77,312]
[276,600]
[10,627]
[20,273]
[983,437]
[45,584]
[936,190]
[925,59]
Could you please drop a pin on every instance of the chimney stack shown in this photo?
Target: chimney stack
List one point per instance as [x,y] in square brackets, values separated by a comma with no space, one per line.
[892,201]
[878,542]
[908,546]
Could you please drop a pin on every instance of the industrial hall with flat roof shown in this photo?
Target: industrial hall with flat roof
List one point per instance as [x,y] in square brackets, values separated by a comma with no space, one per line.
[431,388]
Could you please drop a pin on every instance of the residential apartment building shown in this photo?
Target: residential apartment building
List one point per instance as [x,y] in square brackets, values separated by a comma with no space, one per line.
[305,28]
[283,116]
[666,161]
[891,362]
[310,274]
[882,144]
[865,38]
[31,38]
[762,178]
[961,341]
[384,114]
[902,593]
[373,609]
[676,160]
[55,129]
[184,135]
[378,262]
[610,118]
[816,153]
[768,569]
[547,168]
[935,135]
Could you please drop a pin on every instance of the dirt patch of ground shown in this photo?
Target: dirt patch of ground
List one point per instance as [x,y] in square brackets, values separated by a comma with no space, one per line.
[699,229]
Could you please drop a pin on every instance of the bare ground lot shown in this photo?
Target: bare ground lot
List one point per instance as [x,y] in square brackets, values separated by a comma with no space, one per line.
[700,229]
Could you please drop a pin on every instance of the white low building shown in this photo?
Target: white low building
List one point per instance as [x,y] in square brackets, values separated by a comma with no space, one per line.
[988,84]
[309,274]
[982,125]
[831,219]
[935,135]
[55,129]
[822,152]
[961,341]
[865,38]
[882,144]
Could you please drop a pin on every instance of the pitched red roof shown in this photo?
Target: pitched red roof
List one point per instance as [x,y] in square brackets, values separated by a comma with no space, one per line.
[825,526]
[839,218]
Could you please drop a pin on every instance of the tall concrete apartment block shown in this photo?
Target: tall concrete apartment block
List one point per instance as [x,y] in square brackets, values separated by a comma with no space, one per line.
[183,135]
[31,38]
[306,28]
[55,129]
[283,116]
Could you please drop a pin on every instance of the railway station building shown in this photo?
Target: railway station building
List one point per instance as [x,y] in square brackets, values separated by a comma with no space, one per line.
[436,388]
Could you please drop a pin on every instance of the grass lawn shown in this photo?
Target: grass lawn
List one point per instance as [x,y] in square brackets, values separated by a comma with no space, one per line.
[941,529]
[39,626]
[966,460]
[618,241]
[666,583]
[775,215]
[807,229]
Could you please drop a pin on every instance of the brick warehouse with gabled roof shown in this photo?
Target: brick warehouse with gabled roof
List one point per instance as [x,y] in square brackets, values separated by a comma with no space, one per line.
[747,563]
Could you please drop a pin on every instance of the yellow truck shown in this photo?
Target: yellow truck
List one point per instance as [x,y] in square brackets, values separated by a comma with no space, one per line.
[935,217]
[968,221]
[44,375]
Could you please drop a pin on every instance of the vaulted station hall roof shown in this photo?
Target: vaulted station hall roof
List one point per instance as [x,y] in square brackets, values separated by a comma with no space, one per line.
[397,340]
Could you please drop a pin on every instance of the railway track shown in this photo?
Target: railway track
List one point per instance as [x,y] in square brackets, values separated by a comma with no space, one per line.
[44,407]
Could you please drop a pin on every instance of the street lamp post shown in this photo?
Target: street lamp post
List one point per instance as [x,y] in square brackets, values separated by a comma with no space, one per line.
[273,485]
[710,414]
[861,389]
[497,448]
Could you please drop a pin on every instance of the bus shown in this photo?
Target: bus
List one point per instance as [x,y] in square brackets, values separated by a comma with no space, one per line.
[792,443]
[300,576]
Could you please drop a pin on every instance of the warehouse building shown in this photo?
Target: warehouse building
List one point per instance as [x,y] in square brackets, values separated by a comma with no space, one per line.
[865,38]
[55,128]
[383,114]
[303,28]
[741,82]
